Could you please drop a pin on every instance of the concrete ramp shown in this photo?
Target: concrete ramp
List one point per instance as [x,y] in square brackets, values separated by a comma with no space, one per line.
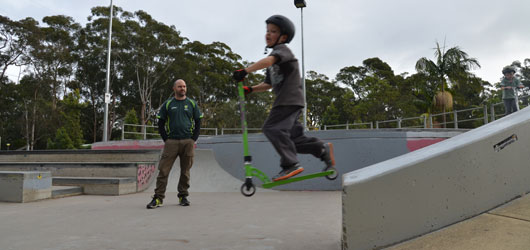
[206,175]
[438,185]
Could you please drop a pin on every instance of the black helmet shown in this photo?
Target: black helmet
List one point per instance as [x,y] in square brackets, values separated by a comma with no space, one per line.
[286,26]
[508,69]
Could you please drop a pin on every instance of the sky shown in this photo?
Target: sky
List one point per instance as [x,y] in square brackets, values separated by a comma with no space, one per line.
[337,33]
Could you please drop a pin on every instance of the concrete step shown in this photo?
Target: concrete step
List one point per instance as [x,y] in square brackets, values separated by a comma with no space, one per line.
[99,185]
[79,169]
[25,186]
[65,191]
[81,156]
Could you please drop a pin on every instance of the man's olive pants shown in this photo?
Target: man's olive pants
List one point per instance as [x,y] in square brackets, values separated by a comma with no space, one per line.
[173,148]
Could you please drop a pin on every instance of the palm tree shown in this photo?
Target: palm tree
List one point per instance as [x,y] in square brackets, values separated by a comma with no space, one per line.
[450,65]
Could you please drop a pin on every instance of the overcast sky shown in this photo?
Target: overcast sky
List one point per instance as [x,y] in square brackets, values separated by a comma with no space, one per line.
[337,33]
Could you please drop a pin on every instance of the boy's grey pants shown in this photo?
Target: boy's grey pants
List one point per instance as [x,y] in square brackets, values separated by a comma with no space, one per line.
[510,106]
[287,135]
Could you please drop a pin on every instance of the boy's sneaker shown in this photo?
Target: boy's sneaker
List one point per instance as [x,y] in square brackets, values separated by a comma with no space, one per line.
[327,155]
[288,172]
[183,201]
[156,202]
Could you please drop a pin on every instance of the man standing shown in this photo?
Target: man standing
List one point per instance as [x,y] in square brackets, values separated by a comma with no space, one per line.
[179,122]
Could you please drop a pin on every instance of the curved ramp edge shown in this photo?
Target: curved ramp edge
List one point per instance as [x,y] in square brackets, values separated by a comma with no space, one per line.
[206,175]
[438,185]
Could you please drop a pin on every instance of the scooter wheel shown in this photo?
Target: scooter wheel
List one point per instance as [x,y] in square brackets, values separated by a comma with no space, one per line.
[334,175]
[248,189]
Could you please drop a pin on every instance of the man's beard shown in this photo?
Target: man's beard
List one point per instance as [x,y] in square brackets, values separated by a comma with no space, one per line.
[181,94]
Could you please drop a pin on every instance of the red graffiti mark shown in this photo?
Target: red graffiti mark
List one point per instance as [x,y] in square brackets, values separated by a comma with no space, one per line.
[415,144]
[145,172]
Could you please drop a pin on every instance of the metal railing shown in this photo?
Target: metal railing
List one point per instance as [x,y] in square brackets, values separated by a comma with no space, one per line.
[454,119]
[348,125]
[131,129]
[472,117]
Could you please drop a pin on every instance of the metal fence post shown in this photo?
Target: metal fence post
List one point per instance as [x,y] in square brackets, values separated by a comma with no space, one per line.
[425,121]
[430,120]
[455,118]
[485,114]
[376,124]
[123,131]
[144,127]
[492,109]
[399,122]
[347,125]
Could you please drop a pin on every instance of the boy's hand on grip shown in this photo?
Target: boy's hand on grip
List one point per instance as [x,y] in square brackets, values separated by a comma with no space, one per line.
[239,75]
[247,90]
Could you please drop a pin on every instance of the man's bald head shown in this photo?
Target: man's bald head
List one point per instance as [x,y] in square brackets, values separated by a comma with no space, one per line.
[179,87]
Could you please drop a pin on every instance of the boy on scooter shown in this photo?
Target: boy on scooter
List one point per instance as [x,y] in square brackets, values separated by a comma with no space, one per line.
[282,127]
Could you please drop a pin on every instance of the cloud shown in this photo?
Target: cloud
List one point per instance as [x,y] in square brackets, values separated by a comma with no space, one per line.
[337,33]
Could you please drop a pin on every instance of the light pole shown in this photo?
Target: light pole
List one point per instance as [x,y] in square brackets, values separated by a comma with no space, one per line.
[8,144]
[301,5]
[107,94]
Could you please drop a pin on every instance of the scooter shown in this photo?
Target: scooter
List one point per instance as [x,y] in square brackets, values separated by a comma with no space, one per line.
[248,188]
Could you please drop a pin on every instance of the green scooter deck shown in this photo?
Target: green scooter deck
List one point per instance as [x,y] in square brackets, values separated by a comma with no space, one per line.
[295,179]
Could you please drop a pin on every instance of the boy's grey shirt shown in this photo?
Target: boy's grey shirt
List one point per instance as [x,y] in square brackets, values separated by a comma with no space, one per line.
[284,77]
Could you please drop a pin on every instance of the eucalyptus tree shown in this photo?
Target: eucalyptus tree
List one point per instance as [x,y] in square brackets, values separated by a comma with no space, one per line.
[50,56]
[148,51]
[12,45]
[448,67]
[321,93]
[91,72]
[378,94]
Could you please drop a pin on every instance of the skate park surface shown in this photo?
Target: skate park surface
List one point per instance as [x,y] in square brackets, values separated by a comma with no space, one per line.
[221,218]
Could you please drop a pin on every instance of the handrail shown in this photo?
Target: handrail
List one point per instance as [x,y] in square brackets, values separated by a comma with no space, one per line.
[423,121]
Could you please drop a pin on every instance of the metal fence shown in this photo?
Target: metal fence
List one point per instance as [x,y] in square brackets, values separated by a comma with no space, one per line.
[144,132]
[465,118]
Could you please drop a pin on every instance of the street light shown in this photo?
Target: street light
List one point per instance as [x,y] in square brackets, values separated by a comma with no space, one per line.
[107,94]
[301,5]
[8,144]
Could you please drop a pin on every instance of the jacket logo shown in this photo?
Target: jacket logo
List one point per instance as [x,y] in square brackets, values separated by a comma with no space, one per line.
[186,107]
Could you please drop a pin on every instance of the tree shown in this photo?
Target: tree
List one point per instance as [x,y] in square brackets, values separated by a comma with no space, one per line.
[150,49]
[69,135]
[320,94]
[450,66]
[131,118]
[12,44]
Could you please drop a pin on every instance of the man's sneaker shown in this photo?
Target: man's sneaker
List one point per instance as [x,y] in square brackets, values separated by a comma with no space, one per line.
[156,202]
[183,201]
[288,172]
[327,155]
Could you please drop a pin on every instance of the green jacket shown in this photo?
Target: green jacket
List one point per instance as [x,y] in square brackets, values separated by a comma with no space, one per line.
[181,119]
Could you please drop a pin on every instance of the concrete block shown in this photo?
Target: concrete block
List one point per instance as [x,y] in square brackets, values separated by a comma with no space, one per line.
[99,185]
[436,186]
[25,186]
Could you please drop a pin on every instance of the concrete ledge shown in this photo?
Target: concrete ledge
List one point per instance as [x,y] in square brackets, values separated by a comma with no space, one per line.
[438,185]
[25,186]
[99,185]
[84,169]
[66,191]
[81,156]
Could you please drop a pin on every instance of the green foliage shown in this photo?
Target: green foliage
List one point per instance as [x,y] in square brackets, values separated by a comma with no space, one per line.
[131,118]
[59,100]
[70,134]
[62,140]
